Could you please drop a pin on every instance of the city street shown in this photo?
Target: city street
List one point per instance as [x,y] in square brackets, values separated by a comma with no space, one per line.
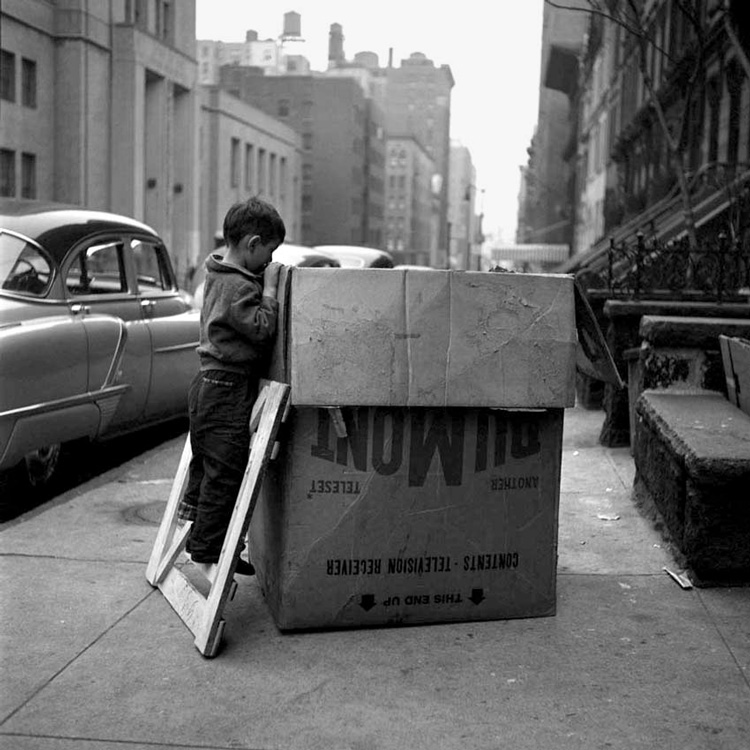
[93,657]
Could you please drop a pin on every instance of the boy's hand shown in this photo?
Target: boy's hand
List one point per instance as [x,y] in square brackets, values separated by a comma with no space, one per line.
[271,279]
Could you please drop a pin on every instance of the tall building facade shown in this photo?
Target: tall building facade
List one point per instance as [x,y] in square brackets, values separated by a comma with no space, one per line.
[417,105]
[246,152]
[628,177]
[415,99]
[98,108]
[412,209]
[463,222]
[343,150]
[546,215]
[633,166]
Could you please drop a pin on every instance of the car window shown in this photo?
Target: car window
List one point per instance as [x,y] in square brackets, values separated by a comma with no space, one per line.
[97,269]
[24,268]
[151,268]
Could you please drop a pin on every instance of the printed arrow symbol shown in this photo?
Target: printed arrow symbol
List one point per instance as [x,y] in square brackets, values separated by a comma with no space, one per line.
[477,596]
[367,602]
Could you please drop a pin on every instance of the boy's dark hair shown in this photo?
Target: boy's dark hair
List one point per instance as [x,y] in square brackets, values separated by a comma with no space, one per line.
[253,216]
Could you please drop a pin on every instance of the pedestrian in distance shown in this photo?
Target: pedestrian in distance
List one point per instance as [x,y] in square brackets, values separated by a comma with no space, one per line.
[237,327]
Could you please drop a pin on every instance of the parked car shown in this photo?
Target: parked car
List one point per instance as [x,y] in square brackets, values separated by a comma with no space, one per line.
[353,256]
[95,338]
[288,254]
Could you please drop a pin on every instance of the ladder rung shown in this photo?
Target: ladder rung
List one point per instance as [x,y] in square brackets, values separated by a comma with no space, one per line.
[184,598]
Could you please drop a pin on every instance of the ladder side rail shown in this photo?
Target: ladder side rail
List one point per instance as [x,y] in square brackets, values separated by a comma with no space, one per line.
[169,519]
[274,408]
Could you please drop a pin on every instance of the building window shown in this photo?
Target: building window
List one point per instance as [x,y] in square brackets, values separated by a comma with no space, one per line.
[272,175]
[307,141]
[28,176]
[28,83]
[234,163]
[714,103]
[7,173]
[735,78]
[163,19]
[7,76]
[283,108]
[261,184]
[249,167]
[282,178]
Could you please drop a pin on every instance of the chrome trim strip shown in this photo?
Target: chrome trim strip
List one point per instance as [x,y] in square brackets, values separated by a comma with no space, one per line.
[61,403]
[176,347]
[116,357]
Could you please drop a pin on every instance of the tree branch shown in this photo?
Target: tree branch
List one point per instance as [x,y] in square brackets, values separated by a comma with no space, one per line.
[595,10]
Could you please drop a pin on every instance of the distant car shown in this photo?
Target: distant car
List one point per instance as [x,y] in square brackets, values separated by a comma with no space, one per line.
[95,337]
[288,254]
[353,256]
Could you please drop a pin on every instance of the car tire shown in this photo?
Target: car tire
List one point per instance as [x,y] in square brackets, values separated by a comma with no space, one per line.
[41,465]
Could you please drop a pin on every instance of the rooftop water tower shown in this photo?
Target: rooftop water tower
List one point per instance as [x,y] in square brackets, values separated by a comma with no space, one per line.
[335,45]
[292,27]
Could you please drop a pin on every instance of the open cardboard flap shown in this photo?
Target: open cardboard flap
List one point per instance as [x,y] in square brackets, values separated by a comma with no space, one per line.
[593,357]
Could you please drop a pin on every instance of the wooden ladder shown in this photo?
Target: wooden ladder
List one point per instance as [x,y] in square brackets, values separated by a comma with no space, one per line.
[203,614]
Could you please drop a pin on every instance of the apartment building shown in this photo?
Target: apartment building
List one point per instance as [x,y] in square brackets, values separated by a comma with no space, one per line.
[462,196]
[343,147]
[625,173]
[272,56]
[545,214]
[245,152]
[417,104]
[98,107]
[412,208]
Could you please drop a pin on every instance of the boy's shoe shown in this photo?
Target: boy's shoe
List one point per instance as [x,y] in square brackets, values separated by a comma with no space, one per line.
[244,568]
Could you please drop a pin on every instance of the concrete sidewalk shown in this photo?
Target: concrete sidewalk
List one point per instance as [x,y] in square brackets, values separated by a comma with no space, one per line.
[94,658]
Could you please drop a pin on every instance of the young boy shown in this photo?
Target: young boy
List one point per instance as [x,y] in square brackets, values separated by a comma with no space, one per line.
[238,323]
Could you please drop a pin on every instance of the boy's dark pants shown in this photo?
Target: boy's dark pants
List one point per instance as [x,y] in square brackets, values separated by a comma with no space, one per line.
[220,404]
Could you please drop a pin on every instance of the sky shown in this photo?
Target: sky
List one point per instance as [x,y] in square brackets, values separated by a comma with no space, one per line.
[493,48]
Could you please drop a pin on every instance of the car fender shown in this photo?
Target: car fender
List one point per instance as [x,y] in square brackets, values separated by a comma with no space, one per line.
[58,380]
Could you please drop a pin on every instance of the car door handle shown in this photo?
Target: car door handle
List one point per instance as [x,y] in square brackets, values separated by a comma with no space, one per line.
[79,309]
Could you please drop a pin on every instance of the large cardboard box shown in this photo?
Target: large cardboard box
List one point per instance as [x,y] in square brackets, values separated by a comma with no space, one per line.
[376,337]
[418,479]
[417,515]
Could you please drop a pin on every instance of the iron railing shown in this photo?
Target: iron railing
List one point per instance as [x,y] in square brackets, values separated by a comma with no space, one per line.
[718,271]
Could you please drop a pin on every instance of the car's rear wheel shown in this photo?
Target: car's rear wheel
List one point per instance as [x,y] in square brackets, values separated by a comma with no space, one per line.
[40,465]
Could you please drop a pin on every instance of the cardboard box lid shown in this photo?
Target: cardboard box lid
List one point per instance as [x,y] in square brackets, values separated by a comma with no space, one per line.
[426,338]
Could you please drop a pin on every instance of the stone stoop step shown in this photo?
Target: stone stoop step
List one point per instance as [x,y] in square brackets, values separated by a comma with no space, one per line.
[692,457]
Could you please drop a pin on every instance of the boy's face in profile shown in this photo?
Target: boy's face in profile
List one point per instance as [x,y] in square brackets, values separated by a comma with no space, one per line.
[257,253]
